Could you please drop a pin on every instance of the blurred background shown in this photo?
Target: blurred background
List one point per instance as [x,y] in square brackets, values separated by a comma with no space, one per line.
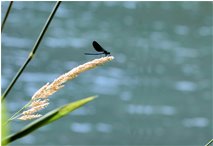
[157,90]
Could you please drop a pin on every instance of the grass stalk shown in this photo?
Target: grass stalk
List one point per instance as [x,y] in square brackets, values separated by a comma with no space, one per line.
[17,114]
[209,143]
[6,15]
[39,100]
[32,53]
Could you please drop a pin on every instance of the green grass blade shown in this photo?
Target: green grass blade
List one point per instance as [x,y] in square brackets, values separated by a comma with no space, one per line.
[49,118]
[4,127]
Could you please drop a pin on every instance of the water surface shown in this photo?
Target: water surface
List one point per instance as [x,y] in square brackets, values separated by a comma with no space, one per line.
[157,90]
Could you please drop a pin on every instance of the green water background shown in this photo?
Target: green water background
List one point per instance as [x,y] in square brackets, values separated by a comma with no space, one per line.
[157,90]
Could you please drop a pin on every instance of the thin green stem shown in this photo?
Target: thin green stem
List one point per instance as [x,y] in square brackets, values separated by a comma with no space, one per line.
[210,142]
[32,53]
[6,15]
[17,114]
